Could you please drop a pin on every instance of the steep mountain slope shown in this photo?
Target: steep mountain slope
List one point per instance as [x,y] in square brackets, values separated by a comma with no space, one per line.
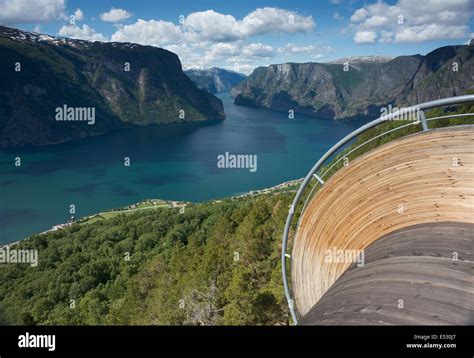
[325,89]
[126,84]
[447,71]
[215,80]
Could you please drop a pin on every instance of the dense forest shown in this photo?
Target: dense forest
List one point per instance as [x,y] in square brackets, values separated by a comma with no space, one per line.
[215,263]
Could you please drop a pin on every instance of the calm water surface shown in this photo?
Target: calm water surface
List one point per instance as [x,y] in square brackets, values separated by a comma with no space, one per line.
[176,161]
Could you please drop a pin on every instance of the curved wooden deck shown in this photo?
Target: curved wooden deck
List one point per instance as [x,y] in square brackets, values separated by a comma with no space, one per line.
[422,178]
[410,276]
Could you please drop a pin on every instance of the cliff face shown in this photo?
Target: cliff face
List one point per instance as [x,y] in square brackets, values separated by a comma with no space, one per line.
[126,84]
[326,90]
[447,71]
[215,80]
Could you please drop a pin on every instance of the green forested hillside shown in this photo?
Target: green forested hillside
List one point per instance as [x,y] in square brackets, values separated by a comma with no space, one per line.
[217,263]
[126,85]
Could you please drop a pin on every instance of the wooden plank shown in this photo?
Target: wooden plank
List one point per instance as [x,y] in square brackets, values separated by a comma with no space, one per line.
[410,276]
[409,181]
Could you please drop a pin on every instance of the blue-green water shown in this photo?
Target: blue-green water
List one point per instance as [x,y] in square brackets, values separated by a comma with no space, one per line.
[176,162]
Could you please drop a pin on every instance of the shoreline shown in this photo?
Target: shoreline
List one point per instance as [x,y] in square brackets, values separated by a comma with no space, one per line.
[168,203]
[283,185]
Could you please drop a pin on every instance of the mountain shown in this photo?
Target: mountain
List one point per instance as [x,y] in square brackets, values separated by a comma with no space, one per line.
[371,82]
[125,84]
[215,80]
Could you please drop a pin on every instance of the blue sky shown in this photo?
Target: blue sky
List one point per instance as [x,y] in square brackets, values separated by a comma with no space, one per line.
[242,35]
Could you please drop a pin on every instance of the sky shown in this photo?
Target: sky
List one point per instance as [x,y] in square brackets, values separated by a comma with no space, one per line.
[241,35]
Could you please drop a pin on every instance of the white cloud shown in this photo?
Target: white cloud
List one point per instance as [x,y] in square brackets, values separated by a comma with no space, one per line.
[224,49]
[258,50]
[78,15]
[205,38]
[30,11]
[365,37]
[386,36]
[375,21]
[115,15]
[309,49]
[337,16]
[242,68]
[237,52]
[275,20]
[359,15]
[208,38]
[211,26]
[155,33]
[303,53]
[430,32]
[83,33]
[189,55]
[435,11]
[216,27]
[412,21]
[235,56]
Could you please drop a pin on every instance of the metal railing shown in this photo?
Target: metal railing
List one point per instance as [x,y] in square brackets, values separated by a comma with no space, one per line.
[402,113]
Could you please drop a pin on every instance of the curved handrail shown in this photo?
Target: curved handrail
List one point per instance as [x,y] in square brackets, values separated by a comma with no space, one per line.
[419,109]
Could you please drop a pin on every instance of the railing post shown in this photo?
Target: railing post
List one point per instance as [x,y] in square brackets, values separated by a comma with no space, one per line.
[422,118]
[318,178]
